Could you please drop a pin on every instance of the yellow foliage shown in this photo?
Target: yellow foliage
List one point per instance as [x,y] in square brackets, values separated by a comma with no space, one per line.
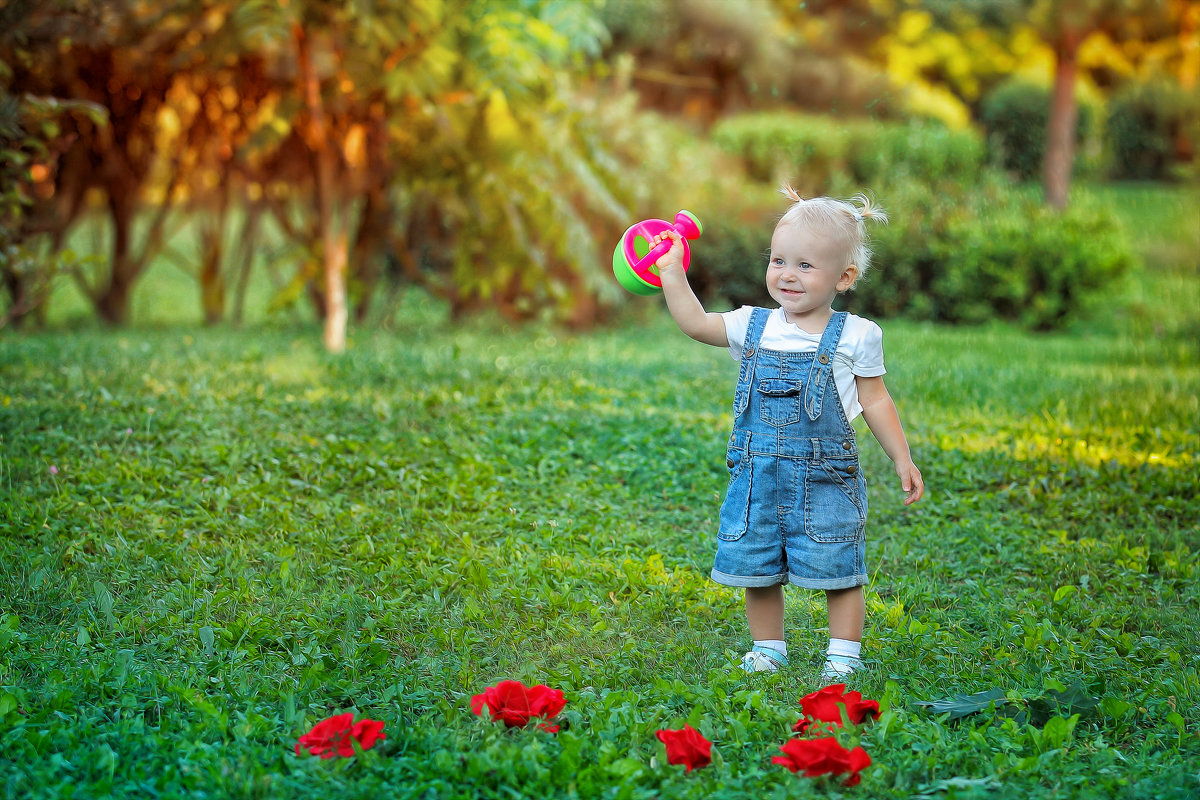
[1034,58]
[502,127]
[936,102]
[919,55]
[912,26]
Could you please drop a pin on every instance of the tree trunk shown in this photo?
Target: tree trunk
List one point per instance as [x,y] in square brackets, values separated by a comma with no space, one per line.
[248,245]
[19,294]
[333,244]
[114,303]
[368,245]
[336,313]
[1060,129]
[212,278]
[212,287]
[113,300]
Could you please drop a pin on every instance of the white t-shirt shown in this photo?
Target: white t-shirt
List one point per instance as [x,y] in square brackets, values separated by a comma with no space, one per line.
[860,351]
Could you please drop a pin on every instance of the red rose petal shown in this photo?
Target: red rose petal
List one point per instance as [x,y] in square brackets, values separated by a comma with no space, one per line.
[514,704]
[333,736]
[686,747]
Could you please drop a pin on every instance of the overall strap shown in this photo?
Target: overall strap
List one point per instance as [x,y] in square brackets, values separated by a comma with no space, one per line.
[754,331]
[821,372]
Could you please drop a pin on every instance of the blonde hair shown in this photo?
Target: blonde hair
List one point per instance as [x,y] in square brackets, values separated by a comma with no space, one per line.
[845,218]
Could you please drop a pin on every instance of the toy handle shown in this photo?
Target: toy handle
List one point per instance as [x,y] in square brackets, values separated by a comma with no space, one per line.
[658,251]
[685,223]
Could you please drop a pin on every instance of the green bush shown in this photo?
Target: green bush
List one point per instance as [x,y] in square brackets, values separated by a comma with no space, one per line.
[956,255]
[811,152]
[776,147]
[990,254]
[731,261]
[1015,115]
[963,247]
[1151,127]
[925,151]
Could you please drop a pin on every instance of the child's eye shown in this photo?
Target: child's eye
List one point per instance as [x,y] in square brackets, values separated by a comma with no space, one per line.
[804,265]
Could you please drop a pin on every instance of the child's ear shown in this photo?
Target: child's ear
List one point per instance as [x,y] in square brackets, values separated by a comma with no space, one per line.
[849,277]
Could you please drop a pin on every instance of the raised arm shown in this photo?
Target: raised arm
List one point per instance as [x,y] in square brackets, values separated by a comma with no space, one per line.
[880,413]
[685,307]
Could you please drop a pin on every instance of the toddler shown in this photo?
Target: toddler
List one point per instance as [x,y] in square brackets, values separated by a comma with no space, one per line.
[797,501]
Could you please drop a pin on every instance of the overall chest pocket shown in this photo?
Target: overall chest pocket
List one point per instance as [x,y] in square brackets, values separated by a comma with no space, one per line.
[779,400]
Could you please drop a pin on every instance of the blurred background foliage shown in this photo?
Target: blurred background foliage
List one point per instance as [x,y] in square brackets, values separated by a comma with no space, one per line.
[492,151]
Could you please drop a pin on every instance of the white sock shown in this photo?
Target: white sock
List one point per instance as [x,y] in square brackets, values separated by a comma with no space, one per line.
[845,648]
[778,645]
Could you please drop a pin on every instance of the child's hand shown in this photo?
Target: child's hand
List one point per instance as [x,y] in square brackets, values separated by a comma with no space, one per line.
[910,481]
[672,261]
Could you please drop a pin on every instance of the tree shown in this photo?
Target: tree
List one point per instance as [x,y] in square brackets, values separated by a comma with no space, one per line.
[35,132]
[443,124]
[32,141]
[452,134]
[122,57]
[1065,26]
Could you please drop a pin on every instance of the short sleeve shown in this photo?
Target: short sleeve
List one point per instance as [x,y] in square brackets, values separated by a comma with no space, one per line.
[737,322]
[866,361]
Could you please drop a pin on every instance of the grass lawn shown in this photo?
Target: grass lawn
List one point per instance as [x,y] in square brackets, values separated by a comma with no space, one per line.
[210,540]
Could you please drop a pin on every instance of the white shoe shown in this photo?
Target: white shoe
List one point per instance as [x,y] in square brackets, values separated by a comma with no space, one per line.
[838,668]
[763,659]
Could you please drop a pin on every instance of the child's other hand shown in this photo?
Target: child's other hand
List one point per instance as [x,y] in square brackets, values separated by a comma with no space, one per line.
[911,482]
[672,261]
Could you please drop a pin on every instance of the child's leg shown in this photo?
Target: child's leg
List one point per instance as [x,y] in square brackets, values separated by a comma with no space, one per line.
[847,613]
[764,613]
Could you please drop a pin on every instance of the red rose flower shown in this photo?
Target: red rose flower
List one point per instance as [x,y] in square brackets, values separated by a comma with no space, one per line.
[825,756]
[516,704]
[687,747]
[332,736]
[824,706]
[812,726]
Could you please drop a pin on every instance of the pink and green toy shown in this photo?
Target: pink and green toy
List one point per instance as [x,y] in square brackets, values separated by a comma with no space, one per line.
[634,259]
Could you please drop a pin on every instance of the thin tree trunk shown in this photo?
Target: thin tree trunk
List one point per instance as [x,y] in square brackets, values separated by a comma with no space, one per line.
[212,278]
[1060,129]
[248,245]
[112,303]
[333,245]
[336,311]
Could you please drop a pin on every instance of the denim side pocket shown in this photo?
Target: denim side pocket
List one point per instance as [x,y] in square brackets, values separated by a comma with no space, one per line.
[735,509]
[834,502]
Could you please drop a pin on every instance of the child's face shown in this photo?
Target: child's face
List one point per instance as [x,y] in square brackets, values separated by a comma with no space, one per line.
[806,271]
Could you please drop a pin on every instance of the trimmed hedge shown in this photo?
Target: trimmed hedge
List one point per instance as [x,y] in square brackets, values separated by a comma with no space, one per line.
[1015,115]
[989,253]
[812,151]
[963,245]
[1151,128]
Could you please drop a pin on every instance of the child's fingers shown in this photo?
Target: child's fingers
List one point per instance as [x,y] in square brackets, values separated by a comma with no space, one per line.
[914,488]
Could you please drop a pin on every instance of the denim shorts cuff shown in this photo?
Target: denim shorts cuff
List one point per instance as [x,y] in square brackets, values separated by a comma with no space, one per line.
[831,583]
[752,581]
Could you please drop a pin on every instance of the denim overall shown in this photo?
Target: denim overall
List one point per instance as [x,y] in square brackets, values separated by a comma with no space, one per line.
[797,500]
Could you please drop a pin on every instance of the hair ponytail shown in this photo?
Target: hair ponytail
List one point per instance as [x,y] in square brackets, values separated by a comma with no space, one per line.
[865,208]
[791,194]
[846,218]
